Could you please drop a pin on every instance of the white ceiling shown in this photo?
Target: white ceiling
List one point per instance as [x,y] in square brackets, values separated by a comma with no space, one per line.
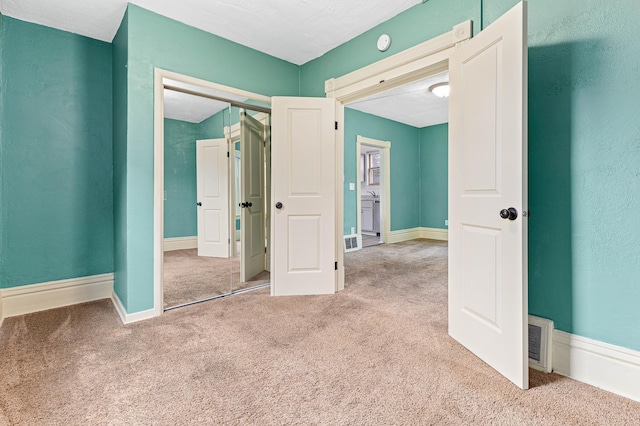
[411,104]
[294,30]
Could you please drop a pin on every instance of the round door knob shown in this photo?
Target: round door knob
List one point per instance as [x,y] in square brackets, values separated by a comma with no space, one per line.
[249,204]
[199,204]
[278,205]
[510,213]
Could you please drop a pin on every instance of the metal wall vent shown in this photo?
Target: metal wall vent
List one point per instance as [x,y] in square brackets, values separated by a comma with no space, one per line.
[351,243]
[540,337]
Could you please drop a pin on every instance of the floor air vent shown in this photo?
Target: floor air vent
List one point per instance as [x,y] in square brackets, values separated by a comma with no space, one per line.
[351,243]
[540,335]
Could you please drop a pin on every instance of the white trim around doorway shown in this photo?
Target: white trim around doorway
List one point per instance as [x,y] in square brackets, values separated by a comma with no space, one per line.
[423,60]
[158,167]
[385,193]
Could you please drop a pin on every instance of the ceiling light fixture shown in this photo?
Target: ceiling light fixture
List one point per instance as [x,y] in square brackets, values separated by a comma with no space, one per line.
[441,90]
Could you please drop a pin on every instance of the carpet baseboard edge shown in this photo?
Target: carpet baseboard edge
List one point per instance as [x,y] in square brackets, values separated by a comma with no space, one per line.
[415,233]
[127,318]
[180,243]
[32,298]
[613,368]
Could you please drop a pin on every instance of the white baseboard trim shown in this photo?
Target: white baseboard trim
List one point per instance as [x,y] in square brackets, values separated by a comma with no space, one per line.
[609,367]
[129,318]
[434,234]
[1,311]
[180,243]
[403,235]
[32,298]
[415,233]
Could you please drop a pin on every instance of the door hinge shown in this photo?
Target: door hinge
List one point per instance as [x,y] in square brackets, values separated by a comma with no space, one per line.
[229,240]
[227,154]
[336,266]
[265,249]
[336,125]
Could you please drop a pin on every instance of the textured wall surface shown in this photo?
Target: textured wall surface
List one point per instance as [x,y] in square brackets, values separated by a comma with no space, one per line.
[180,214]
[156,41]
[434,179]
[407,29]
[584,179]
[584,155]
[120,47]
[56,149]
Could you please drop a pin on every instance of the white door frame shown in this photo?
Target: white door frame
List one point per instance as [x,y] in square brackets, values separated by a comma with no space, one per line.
[385,193]
[158,166]
[428,58]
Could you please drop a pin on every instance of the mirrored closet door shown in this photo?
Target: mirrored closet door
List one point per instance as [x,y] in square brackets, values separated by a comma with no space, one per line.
[216,184]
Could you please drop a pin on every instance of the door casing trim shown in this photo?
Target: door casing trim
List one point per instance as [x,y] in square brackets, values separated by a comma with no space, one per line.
[158,165]
[423,60]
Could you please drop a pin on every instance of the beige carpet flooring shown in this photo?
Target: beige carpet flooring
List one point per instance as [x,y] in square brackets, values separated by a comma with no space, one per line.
[377,353]
[188,278]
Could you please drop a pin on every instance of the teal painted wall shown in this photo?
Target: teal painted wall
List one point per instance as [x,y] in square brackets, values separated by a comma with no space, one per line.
[418,24]
[213,127]
[434,179]
[583,146]
[56,149]
[405,166]
[156,41]
[584,162]
[180,214]
[584,241]
[120,47]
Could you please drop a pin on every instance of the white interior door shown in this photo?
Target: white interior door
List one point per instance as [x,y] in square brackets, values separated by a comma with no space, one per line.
[212,171]
[487,174]
[303,182]
[252,195]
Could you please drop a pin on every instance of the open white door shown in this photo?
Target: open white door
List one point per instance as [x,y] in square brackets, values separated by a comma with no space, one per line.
[303,231]
[488,176]
[212,171]
[252,197]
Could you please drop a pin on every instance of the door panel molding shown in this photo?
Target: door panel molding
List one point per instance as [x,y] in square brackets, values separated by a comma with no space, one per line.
[429,58]
[303,224]
[488,307]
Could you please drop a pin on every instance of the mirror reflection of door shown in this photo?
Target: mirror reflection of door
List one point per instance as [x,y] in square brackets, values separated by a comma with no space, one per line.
[249,139]
[203,175]
[252,134]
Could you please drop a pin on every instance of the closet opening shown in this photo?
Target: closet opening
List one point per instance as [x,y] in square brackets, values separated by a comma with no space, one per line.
[216,185]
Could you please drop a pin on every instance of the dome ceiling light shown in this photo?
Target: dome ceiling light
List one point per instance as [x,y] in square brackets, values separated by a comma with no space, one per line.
[441,90]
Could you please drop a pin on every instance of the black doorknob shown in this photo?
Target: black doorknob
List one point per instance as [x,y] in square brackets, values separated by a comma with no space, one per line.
[510,213]
[199,204]
[278,205]
[249,204]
